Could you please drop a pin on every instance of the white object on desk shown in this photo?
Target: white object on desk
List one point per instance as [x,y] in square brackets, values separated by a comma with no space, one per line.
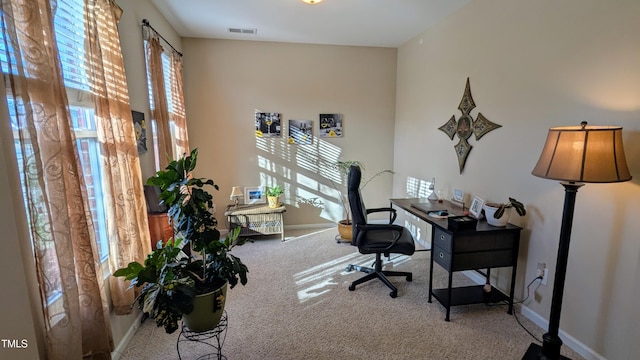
[433,196]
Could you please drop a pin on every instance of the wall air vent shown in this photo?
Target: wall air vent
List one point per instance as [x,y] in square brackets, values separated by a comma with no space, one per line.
[243,31]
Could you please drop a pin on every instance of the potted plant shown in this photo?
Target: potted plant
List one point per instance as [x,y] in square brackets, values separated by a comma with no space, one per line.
[345,226]
[273,195]
[175,285]
[495,211]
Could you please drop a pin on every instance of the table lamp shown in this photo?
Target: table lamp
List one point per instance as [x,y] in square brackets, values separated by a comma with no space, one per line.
[235,195]
[574,155]
[432,187]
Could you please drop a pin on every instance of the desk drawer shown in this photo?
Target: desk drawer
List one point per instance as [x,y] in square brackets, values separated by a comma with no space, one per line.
[442,239]
[481,260]
[475,241]
[442,257]
[472,261]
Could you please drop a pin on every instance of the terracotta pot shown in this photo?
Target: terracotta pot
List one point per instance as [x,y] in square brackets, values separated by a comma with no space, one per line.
[345,230]
[274,201]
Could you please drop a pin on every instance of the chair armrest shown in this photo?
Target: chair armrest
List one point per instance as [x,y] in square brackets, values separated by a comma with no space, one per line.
[391,210]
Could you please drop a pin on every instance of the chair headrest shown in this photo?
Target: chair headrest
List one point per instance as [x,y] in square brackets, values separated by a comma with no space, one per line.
[355,175]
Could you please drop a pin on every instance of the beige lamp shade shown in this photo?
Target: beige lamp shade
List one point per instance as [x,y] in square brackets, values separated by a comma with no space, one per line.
[590,154]
[236,193]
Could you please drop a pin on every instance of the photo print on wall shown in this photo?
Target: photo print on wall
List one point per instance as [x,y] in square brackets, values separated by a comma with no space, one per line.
[330,125]
[267,124]
[300,132]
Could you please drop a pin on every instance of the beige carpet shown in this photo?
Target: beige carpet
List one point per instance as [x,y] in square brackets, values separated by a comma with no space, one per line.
[297,306]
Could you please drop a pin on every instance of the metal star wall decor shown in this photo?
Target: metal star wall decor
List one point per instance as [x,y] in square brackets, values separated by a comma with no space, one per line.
[465,126]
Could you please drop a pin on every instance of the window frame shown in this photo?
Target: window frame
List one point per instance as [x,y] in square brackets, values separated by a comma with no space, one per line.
[70,38]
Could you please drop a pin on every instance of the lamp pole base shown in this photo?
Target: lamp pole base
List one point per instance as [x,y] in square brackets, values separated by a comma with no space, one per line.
[535,353]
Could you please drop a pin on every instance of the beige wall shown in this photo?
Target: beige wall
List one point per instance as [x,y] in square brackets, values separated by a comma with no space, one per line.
[534,65]
[225,81]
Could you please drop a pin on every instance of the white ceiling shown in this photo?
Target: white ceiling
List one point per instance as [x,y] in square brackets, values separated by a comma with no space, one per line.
[384,23]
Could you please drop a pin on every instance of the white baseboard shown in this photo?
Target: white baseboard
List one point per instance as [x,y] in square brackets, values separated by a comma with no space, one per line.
[299,227]
[310,226]
[474,276]
[568,340]
[122,345]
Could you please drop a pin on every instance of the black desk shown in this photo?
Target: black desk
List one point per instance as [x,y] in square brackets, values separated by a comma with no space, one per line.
[484,247]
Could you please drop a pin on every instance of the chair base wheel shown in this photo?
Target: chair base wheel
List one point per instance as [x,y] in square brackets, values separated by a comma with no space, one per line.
[376,272]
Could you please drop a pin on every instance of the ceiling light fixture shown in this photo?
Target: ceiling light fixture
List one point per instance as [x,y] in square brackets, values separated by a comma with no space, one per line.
[312,2]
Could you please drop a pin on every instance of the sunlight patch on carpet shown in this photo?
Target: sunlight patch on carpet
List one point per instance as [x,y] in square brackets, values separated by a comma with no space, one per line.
[321,279]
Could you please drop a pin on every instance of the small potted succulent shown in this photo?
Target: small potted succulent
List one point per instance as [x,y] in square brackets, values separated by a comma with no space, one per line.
[495,211]
[273,195]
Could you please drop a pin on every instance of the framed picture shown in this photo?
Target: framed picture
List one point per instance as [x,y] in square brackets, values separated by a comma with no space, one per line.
[141,131]
[300,132]
[267,124]
[458,195]
[476,207]
[330,125]
[254,195]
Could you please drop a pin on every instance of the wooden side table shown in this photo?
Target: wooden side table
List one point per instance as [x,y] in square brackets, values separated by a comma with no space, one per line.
[159,228]
[256,219]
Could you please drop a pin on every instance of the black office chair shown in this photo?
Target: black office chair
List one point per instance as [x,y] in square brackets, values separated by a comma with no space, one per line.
[376,239]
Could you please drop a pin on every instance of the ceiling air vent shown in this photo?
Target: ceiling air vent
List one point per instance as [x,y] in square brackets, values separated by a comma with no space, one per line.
[243,31]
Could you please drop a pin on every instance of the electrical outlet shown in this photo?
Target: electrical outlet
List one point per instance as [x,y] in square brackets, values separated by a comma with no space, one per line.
[545,276]
[542,271]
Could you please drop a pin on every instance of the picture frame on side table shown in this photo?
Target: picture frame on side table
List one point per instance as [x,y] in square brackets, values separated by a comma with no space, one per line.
[254,195]
[475,209]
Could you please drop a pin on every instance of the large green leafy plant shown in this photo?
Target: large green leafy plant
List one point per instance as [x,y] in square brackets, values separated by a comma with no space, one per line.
[171,279]
[167,290]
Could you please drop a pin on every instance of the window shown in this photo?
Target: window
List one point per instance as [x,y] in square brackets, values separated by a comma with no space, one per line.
[164,83]
[166,74]
[69,32]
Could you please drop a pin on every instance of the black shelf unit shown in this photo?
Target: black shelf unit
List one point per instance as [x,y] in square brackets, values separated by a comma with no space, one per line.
[467,295]
[479,247]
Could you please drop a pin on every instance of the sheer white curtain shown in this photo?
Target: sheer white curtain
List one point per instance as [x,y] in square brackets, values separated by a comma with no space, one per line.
[178,115]
[59,210]
[167,101]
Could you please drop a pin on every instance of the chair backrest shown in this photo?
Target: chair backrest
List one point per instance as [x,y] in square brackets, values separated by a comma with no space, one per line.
[356,204]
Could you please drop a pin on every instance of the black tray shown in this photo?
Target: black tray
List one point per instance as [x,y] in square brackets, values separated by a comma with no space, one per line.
[462,223]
